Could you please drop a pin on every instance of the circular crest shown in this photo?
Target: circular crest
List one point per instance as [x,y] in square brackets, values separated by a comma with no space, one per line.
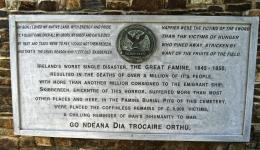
[136,43]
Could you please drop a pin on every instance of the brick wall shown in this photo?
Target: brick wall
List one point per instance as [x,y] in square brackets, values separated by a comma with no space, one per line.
[8,141]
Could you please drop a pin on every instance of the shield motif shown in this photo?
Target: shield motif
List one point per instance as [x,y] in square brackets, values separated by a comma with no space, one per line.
[136,43]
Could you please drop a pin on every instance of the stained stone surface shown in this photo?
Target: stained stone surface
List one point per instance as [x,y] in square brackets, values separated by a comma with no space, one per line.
[5,102]
[83,87]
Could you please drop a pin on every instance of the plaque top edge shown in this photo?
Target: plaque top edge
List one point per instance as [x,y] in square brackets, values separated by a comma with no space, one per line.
[136,18]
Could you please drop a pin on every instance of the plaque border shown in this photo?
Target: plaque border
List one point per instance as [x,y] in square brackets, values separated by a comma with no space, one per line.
[243,137]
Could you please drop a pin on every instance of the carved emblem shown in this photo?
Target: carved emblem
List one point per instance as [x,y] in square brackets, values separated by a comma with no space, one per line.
[136,43]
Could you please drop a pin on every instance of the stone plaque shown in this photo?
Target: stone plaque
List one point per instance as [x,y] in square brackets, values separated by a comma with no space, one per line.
[133,77]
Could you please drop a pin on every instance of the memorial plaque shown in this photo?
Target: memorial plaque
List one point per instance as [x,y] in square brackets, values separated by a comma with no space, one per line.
[133,77]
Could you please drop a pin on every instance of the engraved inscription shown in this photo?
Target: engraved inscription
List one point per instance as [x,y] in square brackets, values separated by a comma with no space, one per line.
[134,79]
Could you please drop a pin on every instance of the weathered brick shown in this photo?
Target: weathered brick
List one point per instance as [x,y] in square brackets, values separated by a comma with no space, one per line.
[228,13]
[112,12]
[238,7]
[2,3]
[27,5]
[176,4]
[73,5]
[236,147]
[257,91]
[6,122]
[6,114]
[118,4]
[12,4]
[197,146]
[124,144]
[43,141]
[4,22]
[199,10]
[3,12]
[78,142]
[257,5]
[4,53]
[75,148]
[5,91]
[149,5]
[156,144]
[254,12]
[215,8]
[39,148]
[4,62]
[93,4]
[4,36]
[5,81]
[201,13]
[218,146]
[8,143]
[234,1]
[257,78]
[203,3]
[47,5]
[5,101]
[25,141]
[4,72]
[6,132]
[61,4]
[62,142]
[5,108]
[175,12]
[4,46]
[139,12]
[166,145]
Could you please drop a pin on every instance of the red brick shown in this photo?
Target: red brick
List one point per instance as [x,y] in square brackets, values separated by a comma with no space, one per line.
[2,3]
